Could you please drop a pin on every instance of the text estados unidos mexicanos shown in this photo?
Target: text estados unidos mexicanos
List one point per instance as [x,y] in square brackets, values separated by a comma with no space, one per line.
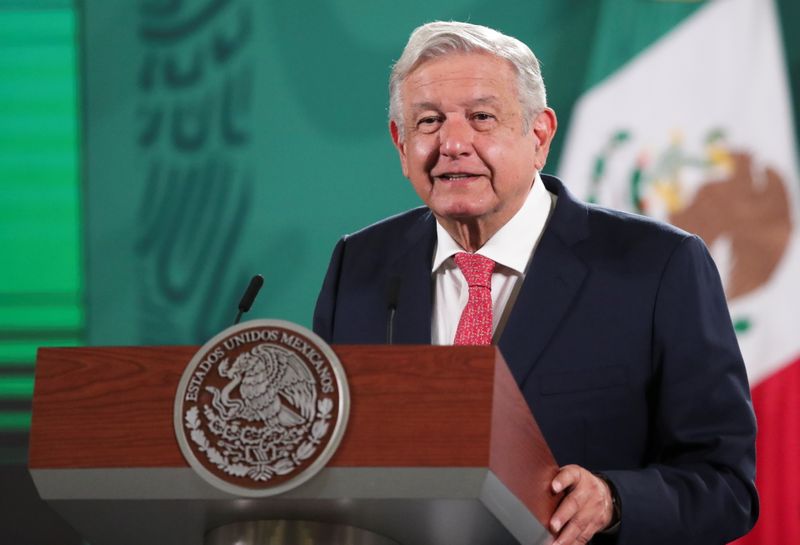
[259,335]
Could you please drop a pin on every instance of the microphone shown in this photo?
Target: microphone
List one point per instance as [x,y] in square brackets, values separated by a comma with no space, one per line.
[249,296]
[392,291]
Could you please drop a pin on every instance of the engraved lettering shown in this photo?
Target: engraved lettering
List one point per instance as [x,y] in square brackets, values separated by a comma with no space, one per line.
[256,407]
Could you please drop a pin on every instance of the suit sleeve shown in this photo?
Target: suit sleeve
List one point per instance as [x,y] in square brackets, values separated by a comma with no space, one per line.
[325,309]
[698,488]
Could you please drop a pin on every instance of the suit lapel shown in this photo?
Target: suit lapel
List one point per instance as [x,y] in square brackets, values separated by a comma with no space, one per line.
[413,267]
[553,280]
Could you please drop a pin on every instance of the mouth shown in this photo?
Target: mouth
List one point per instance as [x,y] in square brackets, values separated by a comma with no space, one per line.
[456,176]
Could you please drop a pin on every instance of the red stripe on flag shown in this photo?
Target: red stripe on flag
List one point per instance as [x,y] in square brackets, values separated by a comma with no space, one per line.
[777,405]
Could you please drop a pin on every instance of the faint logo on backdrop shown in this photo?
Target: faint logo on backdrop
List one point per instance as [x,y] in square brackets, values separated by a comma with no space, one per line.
[195,101]
[725,195]
[261,408]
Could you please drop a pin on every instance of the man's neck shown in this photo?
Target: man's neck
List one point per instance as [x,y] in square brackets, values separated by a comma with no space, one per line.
[470,234]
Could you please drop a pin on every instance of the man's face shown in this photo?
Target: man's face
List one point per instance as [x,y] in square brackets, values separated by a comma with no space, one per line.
[464,149]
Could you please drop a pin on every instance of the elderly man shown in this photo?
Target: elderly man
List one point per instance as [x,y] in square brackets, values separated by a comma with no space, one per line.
[615,327]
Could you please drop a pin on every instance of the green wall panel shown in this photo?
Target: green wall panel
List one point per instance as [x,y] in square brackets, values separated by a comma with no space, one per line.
[41,276]
[217,139]
[227,138]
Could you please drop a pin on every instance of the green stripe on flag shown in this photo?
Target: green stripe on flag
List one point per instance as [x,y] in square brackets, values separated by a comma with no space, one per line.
[644,24]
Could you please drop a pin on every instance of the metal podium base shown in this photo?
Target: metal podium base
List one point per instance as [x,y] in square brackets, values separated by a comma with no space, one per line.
[292,532]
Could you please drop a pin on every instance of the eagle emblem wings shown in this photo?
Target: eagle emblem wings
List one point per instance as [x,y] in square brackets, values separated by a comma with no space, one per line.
[275,387]
[261,407]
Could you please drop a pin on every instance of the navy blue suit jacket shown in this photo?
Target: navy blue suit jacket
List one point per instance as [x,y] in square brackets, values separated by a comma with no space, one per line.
[621,342]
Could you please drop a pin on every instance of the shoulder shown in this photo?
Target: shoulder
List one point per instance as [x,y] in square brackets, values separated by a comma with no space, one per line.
[632,226]
[610,234]
[591,219]
[642,244]
[393,229]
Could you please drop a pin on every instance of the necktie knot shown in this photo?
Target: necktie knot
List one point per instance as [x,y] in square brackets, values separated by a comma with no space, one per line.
[475,325]
[476,268]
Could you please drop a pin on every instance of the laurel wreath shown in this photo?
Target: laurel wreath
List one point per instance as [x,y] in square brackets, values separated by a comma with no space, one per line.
[265,471]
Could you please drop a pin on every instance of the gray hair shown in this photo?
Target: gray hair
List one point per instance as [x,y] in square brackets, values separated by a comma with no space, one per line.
[441,38]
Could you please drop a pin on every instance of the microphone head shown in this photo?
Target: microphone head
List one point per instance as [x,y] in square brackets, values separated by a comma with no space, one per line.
[250,293]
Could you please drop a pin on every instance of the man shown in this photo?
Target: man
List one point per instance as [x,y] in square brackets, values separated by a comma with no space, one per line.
[615,327]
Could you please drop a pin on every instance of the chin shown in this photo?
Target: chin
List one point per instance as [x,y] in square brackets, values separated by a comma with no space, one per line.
[461,213]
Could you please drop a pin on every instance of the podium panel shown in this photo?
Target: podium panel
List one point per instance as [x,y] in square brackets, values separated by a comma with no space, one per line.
[440,449]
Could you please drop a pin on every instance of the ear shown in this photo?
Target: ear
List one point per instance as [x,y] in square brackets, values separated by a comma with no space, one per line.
[544,129]
[400,145]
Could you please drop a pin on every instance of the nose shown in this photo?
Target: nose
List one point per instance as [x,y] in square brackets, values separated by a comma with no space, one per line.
[455,138]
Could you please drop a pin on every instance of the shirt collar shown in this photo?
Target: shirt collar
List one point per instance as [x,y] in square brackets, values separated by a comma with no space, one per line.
[513,244]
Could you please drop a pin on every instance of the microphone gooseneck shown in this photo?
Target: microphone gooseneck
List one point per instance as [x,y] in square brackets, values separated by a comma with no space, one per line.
[392,292]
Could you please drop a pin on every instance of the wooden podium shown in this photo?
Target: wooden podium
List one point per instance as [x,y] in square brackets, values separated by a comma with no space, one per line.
[440,449]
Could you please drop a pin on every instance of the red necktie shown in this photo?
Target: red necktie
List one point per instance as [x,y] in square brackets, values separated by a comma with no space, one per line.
[475,325]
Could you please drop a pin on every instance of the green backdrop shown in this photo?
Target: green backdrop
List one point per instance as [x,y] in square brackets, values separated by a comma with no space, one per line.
[225,138]
[40,234]
[155,154]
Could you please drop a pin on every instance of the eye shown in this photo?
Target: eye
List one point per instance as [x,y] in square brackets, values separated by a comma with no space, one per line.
[429,123]
[482,117]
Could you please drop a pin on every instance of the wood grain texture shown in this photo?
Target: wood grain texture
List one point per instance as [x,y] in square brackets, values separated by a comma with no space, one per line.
[106,407]
[113,407]
[412,406]
[417,406]
[520,456]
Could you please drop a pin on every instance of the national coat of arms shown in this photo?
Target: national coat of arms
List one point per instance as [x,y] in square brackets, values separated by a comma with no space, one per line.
[261,408]
[737,203]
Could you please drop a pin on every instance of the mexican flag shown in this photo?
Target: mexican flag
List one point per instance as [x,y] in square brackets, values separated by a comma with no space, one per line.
[696,129]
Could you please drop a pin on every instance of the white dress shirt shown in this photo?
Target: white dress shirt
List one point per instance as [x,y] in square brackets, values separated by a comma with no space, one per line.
[511,248]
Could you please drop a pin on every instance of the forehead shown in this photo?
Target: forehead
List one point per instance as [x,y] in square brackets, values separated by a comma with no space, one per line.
[460,77]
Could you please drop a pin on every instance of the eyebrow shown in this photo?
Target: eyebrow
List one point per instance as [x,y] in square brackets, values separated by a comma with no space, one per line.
[490,100]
